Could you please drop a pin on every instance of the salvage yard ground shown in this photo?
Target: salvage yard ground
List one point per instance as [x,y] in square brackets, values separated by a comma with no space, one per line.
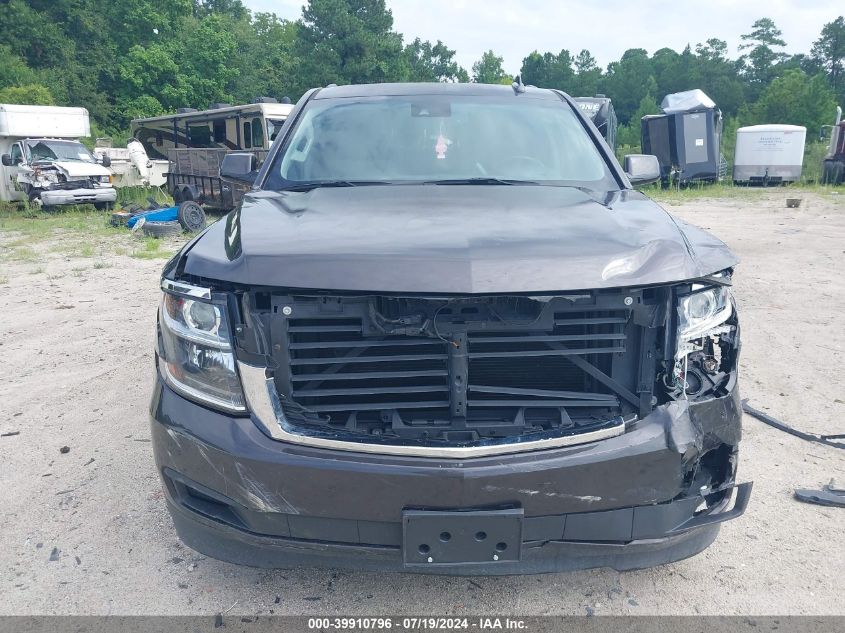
[85,530]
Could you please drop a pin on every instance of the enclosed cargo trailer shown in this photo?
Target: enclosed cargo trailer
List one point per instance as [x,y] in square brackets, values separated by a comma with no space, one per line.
[686,138]
[769,154]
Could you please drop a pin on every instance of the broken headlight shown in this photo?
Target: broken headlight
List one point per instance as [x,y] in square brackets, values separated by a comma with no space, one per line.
[704,336]
[703,310]
[195,355]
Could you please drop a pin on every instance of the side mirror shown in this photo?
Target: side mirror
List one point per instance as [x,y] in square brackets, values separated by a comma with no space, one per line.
[642,168]
[106,160]
[240,167]
[7,160]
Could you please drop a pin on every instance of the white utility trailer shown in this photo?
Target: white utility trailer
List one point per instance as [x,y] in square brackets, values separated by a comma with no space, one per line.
[769,154]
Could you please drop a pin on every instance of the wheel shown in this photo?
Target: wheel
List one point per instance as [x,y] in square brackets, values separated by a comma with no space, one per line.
[191,216]
[162,229]
[103,206]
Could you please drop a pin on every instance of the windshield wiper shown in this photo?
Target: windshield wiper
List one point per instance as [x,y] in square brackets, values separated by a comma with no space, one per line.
[328,184]
[480,181]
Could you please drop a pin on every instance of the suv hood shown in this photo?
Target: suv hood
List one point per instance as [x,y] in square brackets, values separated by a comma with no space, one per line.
[461,239]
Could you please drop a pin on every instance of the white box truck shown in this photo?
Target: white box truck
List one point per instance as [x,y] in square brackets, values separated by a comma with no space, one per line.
[44,162]
[769,154]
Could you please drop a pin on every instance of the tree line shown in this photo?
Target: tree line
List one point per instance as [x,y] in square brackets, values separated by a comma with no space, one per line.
[124,59]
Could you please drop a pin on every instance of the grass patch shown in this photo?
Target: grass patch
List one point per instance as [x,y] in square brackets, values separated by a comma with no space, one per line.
[27,235]
[141,195]
[22,254]
[729,191]
[3,280]
[151,248]
[86,250]
[101,265]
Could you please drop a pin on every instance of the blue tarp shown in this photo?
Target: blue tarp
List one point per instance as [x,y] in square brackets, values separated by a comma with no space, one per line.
[159,215]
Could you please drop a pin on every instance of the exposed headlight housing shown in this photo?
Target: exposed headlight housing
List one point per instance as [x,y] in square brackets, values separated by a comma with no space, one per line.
[195,355]
[704,325]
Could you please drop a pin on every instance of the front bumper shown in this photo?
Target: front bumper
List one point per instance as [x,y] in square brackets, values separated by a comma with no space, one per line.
[625,502]
[56,197]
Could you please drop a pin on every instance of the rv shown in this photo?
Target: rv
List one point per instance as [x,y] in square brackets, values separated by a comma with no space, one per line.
[194,143]
[222,126]
[44,163]
[599,110]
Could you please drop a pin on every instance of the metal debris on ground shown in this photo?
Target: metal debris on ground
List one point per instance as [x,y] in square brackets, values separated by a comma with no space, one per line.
[827,496]
[829,440]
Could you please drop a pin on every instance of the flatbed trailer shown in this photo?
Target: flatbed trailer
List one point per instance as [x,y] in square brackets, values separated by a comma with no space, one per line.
[194,174]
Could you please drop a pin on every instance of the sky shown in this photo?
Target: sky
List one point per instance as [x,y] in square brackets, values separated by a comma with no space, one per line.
[607,28]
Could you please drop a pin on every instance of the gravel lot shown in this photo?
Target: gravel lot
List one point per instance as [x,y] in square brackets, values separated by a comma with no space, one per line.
[86,531]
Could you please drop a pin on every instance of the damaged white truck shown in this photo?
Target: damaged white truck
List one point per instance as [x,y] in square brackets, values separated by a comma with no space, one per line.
[44,163]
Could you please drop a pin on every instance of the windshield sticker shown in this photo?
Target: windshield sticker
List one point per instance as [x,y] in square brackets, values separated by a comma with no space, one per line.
[441,147]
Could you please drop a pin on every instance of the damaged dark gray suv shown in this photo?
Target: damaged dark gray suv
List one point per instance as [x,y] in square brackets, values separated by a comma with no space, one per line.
[443,334]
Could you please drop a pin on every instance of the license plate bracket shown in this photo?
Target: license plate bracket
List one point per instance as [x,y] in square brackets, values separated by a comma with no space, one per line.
[433,537]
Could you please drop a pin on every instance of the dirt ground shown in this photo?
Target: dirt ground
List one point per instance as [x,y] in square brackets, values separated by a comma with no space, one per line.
[86,531]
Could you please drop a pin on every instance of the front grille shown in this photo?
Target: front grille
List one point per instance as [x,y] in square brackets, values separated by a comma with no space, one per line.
[334,368]
[414,370]
[72,184]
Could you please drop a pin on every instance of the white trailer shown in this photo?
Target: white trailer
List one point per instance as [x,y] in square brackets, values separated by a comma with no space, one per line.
[131,166]
[769,154]
[43,161]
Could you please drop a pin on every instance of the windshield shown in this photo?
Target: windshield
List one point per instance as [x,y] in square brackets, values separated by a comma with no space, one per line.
[58,150]
[274,126]
[440,138]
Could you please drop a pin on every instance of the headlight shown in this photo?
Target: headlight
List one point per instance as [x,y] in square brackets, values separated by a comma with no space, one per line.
[702,311]
[105,179]
[47,176]
[702,326]
[196,356]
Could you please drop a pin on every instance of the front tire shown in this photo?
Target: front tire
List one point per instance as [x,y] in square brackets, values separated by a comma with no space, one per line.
[103,206]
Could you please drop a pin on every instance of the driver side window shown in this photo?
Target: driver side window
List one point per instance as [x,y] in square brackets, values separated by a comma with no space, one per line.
[17,156]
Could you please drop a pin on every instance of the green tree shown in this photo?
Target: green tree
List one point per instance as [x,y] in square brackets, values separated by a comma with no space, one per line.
[34,94]
[628,81]
[718,76]
[588,75]
[796,99]
[231,8]
[13,70]
[630,134]
[488,69]
[347,41]
[432,62]
[763,55]
[264,59]
[548,70]
[829,52]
